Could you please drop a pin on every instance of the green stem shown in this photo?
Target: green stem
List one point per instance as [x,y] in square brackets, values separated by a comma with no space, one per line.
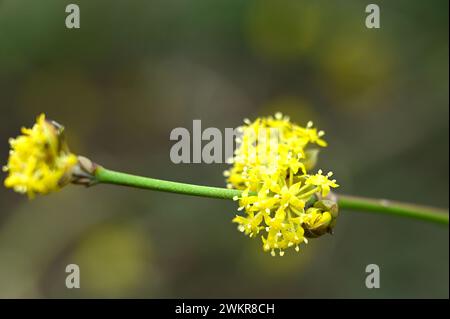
[105,176]
[384,206]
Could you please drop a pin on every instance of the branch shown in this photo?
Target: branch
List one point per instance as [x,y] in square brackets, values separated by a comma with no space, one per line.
[430,214]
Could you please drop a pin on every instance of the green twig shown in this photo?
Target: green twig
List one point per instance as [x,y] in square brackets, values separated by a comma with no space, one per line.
[107,176]
[103,175]
[389,207]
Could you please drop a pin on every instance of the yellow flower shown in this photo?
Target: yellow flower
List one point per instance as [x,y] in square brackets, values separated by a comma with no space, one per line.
[289,197]
[39,161]
[270,167]
[322,181]
[313,135]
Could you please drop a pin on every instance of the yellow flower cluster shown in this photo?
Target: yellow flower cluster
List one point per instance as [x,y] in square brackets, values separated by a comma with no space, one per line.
[39,160]
[281,200]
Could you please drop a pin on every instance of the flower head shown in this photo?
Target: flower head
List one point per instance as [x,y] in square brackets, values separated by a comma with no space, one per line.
[39,160]
[271,167]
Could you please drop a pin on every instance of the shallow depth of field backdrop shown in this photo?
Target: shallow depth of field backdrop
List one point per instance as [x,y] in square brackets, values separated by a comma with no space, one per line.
[137,69]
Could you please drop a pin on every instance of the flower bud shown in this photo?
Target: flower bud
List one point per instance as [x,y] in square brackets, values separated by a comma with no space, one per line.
[311,157]
[321,218]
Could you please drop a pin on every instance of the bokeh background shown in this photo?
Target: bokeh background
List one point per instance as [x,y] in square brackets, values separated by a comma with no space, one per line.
[137,69]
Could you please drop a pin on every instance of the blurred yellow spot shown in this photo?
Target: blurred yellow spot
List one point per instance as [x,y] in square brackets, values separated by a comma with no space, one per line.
[283,29]
[113,261]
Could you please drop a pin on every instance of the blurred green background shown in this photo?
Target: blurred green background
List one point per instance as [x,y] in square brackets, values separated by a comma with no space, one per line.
[137,69]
